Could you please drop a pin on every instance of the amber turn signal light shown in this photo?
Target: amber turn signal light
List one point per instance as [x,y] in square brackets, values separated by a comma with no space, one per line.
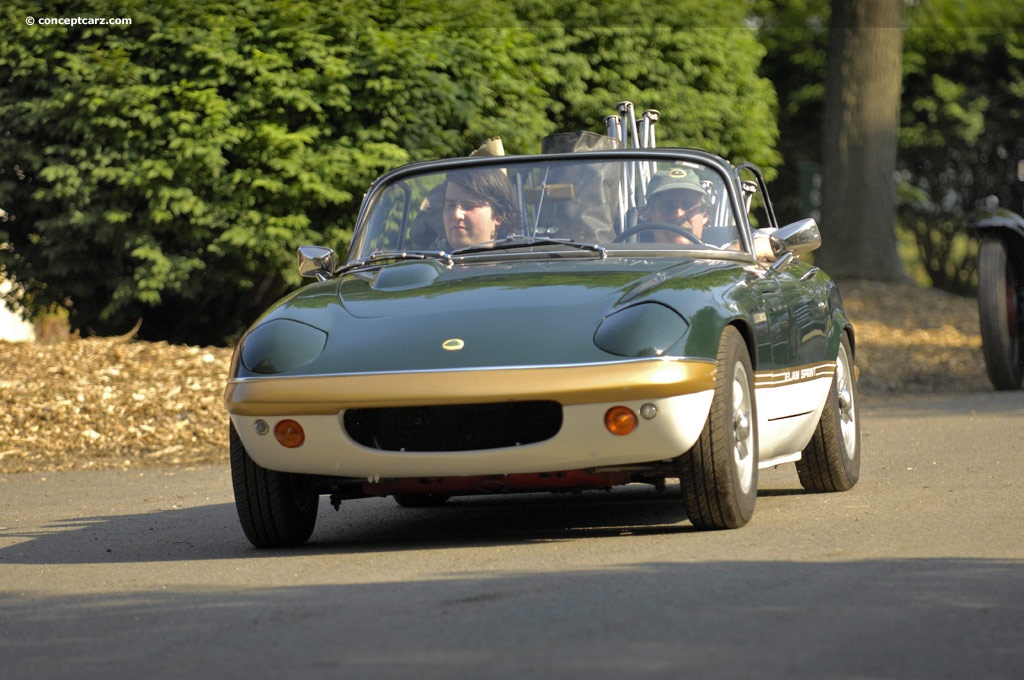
[620,420]
[289,434]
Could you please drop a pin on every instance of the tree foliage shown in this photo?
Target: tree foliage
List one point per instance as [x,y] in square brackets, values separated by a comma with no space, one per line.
[960,120]
[696,62]
[167,169]
[794,34]
[961,127]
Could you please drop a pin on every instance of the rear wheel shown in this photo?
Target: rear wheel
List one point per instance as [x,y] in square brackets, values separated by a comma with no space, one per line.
[718,475]
[276,509]
[831,461]
[999,313]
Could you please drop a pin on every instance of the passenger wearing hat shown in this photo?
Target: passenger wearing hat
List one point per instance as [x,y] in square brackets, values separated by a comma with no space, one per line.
[677,198]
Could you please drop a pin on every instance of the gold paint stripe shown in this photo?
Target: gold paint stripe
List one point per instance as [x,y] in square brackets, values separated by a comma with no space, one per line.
[797,374]
[585,384]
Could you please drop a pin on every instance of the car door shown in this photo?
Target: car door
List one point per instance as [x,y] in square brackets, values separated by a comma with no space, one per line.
[794,297]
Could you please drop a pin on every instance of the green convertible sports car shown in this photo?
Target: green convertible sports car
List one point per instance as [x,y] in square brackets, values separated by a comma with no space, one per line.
[564,321]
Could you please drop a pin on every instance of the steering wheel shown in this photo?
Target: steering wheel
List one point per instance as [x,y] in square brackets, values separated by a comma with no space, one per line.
[658,226]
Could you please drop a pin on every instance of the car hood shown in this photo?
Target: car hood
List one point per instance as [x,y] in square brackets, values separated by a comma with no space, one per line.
[427,288]
[423,316]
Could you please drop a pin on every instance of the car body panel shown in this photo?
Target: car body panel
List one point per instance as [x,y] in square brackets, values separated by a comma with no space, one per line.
[581,443]
[548,313]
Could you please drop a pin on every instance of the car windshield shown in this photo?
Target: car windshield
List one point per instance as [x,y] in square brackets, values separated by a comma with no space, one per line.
[584,203]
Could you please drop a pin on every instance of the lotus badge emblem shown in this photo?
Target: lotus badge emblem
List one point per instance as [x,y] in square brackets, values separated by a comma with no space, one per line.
[453,344]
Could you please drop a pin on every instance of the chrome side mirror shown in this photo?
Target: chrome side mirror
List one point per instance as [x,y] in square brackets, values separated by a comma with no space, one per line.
[316,262]
[797,238]
[792,241]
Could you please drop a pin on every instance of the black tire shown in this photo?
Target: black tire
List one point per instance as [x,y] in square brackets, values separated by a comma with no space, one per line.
[831,461]
[999,313]
[276,509]
[421,500]
[718,475]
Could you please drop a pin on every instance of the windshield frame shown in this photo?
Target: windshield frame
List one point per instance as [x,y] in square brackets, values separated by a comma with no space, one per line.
[725,172]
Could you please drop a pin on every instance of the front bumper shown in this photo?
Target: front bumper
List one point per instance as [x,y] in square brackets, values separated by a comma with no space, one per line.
[679,390]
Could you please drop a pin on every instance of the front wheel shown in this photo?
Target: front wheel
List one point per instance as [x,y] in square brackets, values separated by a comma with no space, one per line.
[831,461]
[276,509]
[718,475]
[999,313]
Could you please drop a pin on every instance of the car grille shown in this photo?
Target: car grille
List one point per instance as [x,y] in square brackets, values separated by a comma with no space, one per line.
[465,427]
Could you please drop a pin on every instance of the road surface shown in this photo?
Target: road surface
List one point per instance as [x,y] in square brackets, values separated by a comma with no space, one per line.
[918,572]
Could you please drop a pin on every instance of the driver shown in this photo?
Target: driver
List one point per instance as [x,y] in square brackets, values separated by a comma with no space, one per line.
[677,198]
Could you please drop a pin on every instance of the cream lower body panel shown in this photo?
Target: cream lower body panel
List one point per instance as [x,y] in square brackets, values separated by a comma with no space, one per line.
[582,443]
[787,416]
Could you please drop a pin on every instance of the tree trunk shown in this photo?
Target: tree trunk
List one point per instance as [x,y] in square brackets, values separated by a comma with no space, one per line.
[861,129]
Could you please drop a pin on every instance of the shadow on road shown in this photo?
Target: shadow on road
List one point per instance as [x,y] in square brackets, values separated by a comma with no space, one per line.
[212,532]
[961,619]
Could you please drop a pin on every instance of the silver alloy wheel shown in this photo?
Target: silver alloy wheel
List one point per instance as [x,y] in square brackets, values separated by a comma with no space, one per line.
[847,407]
[743,431]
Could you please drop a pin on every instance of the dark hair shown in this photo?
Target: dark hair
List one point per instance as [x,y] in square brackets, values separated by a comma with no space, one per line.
[493,186]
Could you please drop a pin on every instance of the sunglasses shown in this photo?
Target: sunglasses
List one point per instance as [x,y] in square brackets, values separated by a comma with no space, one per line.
[668,204]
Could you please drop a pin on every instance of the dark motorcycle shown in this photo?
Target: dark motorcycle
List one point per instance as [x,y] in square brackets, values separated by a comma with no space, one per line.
[1000,234]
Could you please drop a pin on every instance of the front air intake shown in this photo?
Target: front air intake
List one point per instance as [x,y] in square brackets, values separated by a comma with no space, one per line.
[464,427]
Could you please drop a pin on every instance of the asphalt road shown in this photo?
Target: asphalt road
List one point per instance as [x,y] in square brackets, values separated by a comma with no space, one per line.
[916,573]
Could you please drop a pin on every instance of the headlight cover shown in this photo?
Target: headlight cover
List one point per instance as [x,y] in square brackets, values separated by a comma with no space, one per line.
[648,329]
[281,345]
